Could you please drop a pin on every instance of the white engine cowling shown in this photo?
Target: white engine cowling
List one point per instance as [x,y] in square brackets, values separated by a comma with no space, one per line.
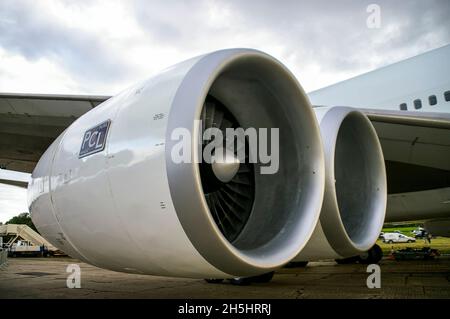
[354,205]
[128,207]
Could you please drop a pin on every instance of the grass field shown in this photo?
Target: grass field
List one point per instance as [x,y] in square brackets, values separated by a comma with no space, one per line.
[440,243]
[404,230]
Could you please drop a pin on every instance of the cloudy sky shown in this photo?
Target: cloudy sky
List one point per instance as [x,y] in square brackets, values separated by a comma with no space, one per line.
[101,47]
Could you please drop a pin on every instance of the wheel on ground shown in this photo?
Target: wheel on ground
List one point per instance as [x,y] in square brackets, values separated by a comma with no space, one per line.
[214,281]
[241,281]
[390,242]
[372,256]
[409,241]
[264,278]
[296,264]
[349,260]
[260,279]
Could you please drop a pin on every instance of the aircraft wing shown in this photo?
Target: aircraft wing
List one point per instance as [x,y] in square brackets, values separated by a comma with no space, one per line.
[30,122]
[413,138]
[416,148]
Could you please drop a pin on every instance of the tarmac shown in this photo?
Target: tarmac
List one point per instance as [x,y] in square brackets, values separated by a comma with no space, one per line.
[47,277]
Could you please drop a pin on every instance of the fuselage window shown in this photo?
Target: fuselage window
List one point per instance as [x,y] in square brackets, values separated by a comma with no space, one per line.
[432,99]
[447,96]
[417,104]
[403,107]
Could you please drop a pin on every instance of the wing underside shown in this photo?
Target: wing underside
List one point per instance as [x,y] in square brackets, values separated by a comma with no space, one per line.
[416,148]
[30,122]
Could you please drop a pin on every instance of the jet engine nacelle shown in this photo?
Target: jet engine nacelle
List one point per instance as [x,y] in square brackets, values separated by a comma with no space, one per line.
[354,205]
[108,192]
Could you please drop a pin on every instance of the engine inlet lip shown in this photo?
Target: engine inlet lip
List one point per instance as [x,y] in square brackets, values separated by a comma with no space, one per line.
[333,226]
[184,179]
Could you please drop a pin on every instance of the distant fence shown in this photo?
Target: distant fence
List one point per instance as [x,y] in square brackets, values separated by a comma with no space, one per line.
[3,256]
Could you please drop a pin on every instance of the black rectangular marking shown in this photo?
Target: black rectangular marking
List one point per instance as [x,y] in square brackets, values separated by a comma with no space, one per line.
[94,140]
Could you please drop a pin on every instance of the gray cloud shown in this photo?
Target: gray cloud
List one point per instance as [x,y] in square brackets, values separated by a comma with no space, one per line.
[330,34]
[25,29]
[334,33]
